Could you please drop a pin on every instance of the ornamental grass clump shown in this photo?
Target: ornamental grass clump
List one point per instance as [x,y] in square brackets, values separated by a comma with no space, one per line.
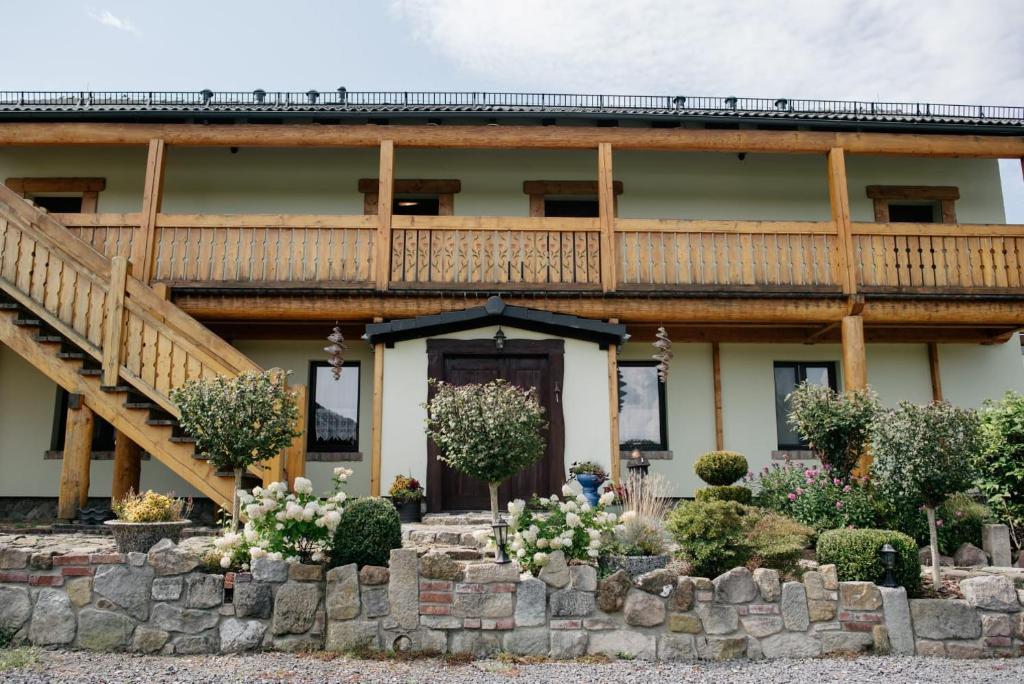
[151,507]
[926,453]
[836,426]
[641,527]
[238,421]
[487,431]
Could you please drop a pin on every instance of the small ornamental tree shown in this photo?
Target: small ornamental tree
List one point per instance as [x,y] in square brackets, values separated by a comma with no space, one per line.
[836,426]
[926,452]
[238,421]
[487,431]
[1001,467]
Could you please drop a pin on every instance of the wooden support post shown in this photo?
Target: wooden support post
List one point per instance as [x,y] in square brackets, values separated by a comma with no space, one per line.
[606,214]
[74,470]
[152,201]
[716,371]
[613,409]
[855,374]
[933,367]
[114,333]
[127,466]
[378,418]
[839,199]
[294,457]
[385,199]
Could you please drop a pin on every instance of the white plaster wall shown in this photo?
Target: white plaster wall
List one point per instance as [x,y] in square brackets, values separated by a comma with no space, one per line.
[584,403]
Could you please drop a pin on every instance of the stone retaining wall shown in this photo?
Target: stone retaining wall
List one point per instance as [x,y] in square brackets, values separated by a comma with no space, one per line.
[161,602]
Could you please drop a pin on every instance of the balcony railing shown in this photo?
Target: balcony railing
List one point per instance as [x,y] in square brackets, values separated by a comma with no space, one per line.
[554,254]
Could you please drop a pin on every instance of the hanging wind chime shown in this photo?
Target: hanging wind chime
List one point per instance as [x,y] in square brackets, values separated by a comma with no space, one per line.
[664,354]
[336,351]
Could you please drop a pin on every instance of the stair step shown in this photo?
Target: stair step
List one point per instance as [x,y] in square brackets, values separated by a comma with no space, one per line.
[90,372]
[70,355]
[7,305]
[27,322]
[183,439]
[50,338]
[115,389]
[140,404]
[171,422]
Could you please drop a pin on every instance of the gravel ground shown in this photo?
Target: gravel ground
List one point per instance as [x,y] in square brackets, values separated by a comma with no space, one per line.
[81,668]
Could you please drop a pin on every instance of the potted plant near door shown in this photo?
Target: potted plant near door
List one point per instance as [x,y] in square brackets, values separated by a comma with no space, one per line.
[407,494]
[590,476]
[144,519]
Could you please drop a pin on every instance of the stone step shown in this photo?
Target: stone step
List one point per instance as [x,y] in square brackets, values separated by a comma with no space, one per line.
[471,518]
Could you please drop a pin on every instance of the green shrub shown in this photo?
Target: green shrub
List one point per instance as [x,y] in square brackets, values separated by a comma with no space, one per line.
[958,519]
[737,493]
[367,531]
[721,467]
[773,485]
[1001,466]
[855,555]
[836,425]
[710,535]
[776,541]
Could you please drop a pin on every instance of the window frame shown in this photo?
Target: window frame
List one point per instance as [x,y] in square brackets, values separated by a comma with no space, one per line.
[88,189]
[662,409]
[944,198]
[442,189]
[801,377]
[538,190]
[311,443]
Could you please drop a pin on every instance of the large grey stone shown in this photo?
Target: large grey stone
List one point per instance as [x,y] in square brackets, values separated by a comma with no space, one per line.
[761,625]
[79,590]
[197,644]
[718,618]
[482,605]
[241,635]
[15,608]
[530,641]
[859,596]
[254,599]
[682,597]
[148,640]
[375,601]
[567,644]
[126,587]
[790,645]
[571,603]
[722,648]
[991,592]
[969,555]
[167,559]
[375,575]
[204,591]
[555,572]
[440,566]
[768,585]
[661,582]
[403,589]
[945,619]
[612,590]
[814,584]
[583,577]
[174,619]
[295,608]
[531,605]
[476,643]
[684,622]
[297,643]
[53,619]
[924,555]
[488,573]
[102,630]
[735,586]
[995,540]
[615,643]
[846,642]
[643,609]
[896,611]
[343,592]
[676,647]
[269,570]
[13,558]
[167,588]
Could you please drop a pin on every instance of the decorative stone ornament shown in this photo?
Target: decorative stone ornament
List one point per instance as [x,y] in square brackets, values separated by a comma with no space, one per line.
[336,351]
[664,354]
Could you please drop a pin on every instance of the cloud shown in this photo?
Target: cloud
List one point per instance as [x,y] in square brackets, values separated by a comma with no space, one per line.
[106,18]
[931,50]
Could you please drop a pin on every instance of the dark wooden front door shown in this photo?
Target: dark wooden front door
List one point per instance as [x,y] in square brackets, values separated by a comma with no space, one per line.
[525,363]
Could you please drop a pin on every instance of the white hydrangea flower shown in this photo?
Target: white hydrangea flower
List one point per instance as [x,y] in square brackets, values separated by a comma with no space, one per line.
[225,561]
[567,490]
[628,517]
[303,485]
[572,520]
[607,499]
[540,558]
[542,543]
[556,543]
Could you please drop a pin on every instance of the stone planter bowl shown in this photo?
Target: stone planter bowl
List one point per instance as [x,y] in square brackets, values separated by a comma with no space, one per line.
[633,565]
[132,536]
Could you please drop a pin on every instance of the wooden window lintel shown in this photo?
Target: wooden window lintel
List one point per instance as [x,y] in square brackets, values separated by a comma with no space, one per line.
[548,187]
[913,192]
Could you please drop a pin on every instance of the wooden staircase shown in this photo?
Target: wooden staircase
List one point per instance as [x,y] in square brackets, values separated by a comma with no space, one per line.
[88,325]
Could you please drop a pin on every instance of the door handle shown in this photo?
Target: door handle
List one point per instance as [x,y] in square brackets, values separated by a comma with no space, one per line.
[558,393]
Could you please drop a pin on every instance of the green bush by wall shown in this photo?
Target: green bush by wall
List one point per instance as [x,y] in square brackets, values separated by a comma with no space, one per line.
[367,531]
[855,553]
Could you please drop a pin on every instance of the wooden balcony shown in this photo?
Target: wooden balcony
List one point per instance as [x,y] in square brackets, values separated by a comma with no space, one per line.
[460,253]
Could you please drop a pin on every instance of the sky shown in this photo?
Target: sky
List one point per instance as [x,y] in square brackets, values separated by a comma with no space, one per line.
[949,51]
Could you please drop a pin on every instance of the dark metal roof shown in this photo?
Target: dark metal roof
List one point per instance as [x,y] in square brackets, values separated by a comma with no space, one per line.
[495,312]
[339,104]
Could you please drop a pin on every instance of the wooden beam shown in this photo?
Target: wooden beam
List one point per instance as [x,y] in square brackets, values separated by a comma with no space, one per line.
[294,457]
[606,215]
[567,187]
[431,186]
[74,469]
[913,192]
[839,200]
[615,461]
[152,200]
[716,371]
[378,418]
[935,371]
[385,197]
[855,375]
[120,268]
[512,137]
[32,185]
[127,466]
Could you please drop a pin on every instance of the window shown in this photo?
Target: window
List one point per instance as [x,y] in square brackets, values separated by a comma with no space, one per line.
[912,213]
[59,204]
[567,198]
[333,408]
[788,375]
[60,195]
[416,206]
[641,407]
[102,431]
[585,208]
[413,197]
[914,203]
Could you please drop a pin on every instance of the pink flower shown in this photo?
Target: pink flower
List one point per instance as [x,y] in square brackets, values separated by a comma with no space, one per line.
[836,481]
[846,489]
[839,505]
[938,523]
[959,514]
[792,496]
[808,473]
[799,491]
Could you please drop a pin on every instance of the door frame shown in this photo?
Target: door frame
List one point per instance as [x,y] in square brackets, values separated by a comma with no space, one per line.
[554,350]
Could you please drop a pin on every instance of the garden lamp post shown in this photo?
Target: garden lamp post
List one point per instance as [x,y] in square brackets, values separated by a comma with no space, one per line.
[888,556]
[500,539]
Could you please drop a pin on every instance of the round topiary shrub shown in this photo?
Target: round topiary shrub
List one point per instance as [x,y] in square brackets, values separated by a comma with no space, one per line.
[367,531]
[855,555]
[725,493]
[711,535]
[721,468]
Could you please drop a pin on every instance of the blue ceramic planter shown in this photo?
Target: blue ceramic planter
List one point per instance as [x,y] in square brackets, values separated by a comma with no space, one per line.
[590,483]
